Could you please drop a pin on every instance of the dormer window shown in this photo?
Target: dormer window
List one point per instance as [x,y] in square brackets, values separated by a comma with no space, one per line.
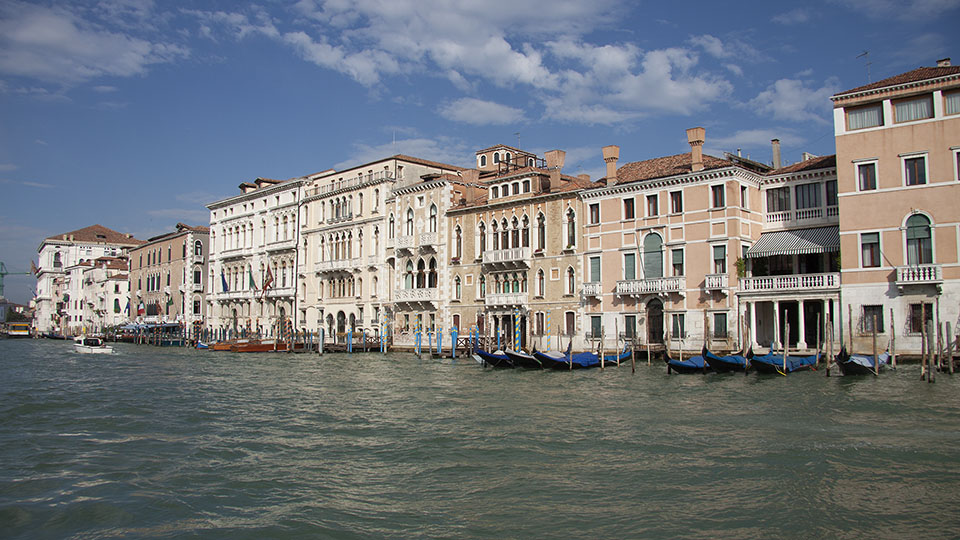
[483,160]
[496,157]
[916,108]
[865,117]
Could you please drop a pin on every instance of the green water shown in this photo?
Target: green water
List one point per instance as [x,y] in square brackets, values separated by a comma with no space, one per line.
[169,443]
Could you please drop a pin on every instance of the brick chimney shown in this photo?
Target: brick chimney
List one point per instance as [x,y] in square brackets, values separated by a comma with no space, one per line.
[695,136]
[610,155]
[776,152]
[555,159]
[943,62]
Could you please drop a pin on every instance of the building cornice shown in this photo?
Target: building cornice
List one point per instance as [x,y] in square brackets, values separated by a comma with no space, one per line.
[673,181]
[243,197]
[895,88]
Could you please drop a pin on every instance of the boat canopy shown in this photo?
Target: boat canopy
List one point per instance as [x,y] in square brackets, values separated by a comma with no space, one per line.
[796,242]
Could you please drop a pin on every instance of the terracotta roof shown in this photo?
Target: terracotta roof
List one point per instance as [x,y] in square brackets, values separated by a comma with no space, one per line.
[428,163]
[663,167]
[98,234]
[821,162]
[919,74]
[194,228]
[506,147]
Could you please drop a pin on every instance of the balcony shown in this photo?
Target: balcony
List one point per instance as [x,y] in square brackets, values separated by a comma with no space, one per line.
[197,259]
[344,265]
[350,183]
[339,219]
[716,282]
[798,282]
[662,285]
[506,299]
[280,292]
[428,239]
[371,260]
[408,241]
[803,216]
[196,287]
[919,274]
[513,257]
[592,289]
[416,295]
[280,245]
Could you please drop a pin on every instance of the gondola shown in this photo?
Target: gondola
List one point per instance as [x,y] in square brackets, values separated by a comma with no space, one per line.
[523,359]
[775,363]
[726,364]
[495,359]
[554,359]
[694,364]
[860,364]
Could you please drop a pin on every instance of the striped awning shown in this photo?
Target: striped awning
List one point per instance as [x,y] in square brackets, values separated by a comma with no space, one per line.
[797,242]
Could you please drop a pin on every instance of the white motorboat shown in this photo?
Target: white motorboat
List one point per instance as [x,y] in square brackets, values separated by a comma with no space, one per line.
[91,345]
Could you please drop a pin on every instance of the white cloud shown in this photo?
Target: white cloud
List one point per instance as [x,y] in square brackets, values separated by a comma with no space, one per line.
[909,10]
[796,100]
[54,44]
[480,113]
[41,142]
[7,167]
[754,138]
[104,89]
[794,16]
[731,48]
[443,149]
[37,185]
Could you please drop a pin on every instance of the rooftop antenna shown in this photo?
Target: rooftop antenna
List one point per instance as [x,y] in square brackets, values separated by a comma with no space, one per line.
[866,56]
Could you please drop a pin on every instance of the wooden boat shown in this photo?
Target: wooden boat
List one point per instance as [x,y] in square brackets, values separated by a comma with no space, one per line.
[554,359]
[18,330]
[727,364]
[495,359]
[226,345]
[694,364]
[91,345]
[202,346]
[776,363]
[523,359]
[860,364]
[267,345]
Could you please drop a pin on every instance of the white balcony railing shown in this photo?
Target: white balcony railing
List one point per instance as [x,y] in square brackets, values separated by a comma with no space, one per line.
[592,289]
[428,239]
[280,292]
[713,282]
[278,245]
[416,295]
[506,299]
[798,282]
[802,214]
[919,274]
[406,241]
[518,254]
[651,285]
[330,266]
[371,260]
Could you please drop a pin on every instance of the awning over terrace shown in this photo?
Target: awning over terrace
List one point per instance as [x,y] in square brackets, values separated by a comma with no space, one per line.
[796,242]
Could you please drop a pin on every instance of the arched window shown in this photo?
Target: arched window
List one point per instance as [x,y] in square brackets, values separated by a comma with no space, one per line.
[373,290]
[359,287]
[432,276]
[541,232]
[483,286]
[198,248]
[391,226]
[360,244]
[571,228]
[458,243]
[504,235]
[286,228]
[376,199]
[516,188]
[456,288]
[482,241]
[483,161]
[919,240]
[409,228]
[433,218]
[496,157]
[516,283]
[653,256]
[496,237]
[515,233]
[494,192]
[360,204]
[507,158]
[421,274]
[58,262]
[541,284]
[571,280]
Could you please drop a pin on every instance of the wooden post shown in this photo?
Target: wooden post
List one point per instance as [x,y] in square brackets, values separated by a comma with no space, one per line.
[648,352]
[829,345]
[786,342]
[616,340]
[601,349]
[940,348]
[876,359]
[893,341]
[932,372]
[818,340]
[949,347]
[850,325]
[923,341]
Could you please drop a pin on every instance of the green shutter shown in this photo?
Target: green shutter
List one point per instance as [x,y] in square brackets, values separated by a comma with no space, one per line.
[629,266]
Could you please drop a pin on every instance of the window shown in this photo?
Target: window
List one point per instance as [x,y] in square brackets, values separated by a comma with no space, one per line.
[919,245]
[917,108]
[433,218]
[679,329]
[391,226]
[915,170]
[870,250]
[494,192]
[652,206]
[540,283]
[678,262]
[483,161]
[676,202]
[743,196]
[872,314]
[571,281]
[717,196]
[951,103]
[516,188]
[526,186]
[918,313]
[628,208]
[594,213]
[571,228]
[458,243]
[778,200]
[197,277]
[719,259]
[652,256]
[196,307]
[865,117]
[541,232]
[525,233]
[496,157]
[629,266]
[867,176]
[596,326]
[808,196]
[720,325]
[630,326]
[456,288]
[482,241]
[831,187]
[595,269]
[570,322]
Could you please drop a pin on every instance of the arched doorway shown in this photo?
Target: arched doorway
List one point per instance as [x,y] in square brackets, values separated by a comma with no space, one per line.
[353,321]
[233,320]
[655,321]
[341,322]
[330,326]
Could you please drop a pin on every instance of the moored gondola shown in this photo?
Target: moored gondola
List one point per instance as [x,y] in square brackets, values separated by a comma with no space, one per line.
[694,364]
[783,364]
[494,359]
[523,359]
[860,364]
[727,364]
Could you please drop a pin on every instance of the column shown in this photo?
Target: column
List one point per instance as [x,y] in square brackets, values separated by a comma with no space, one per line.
[802,342]
[776,323]
[752,306]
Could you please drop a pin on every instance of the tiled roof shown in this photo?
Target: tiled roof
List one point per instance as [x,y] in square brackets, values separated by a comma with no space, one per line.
[919,74]
[821,162]
[507,147]
[663,167]
[98,234]
[429,163]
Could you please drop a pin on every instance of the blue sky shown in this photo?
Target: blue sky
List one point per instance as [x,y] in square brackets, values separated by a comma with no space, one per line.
[134,113]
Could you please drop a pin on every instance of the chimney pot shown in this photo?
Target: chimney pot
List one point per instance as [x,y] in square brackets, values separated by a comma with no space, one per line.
[555,159]
[611,154]
[943,62]
[776,152]
[696,137]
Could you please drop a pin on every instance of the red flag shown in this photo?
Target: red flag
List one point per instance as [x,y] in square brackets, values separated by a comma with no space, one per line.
[267,282]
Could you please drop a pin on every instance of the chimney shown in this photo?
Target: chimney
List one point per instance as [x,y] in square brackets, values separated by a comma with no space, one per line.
[470,176]
[555,159]
[583,177]
[776,153]
[610,155]
[695,137]
[943,62]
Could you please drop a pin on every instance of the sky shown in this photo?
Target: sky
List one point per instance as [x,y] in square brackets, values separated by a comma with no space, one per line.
[135,114]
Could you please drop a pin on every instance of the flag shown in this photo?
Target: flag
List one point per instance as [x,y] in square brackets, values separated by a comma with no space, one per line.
[33,268]
[267,282]
[253,284]
[170,300]
[223,280]
[141,309]
[127,309]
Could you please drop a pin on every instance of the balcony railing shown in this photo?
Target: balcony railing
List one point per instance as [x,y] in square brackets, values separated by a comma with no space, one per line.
[802,214]
[339,219]
[371,260]
[798,282]
[406,241]
[713,282]
[330,266]
[278,245]
[416,295]
[919,274]
[280,292]
[198,259]
[196,287]
[506,299]
[512,255]
[428,239]
[350,183]
[592,289]
[651,285]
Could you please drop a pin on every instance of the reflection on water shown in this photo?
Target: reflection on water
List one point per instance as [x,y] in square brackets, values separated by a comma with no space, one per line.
[174,442]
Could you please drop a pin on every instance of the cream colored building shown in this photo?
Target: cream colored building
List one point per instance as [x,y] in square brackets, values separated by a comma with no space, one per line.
[515,235]
[106,293]
[168,274]
[898,168]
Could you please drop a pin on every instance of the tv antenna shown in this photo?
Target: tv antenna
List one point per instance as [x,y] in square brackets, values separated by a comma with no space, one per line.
[866,56]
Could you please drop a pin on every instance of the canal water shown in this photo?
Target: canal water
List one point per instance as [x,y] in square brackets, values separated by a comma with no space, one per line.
[173,442]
